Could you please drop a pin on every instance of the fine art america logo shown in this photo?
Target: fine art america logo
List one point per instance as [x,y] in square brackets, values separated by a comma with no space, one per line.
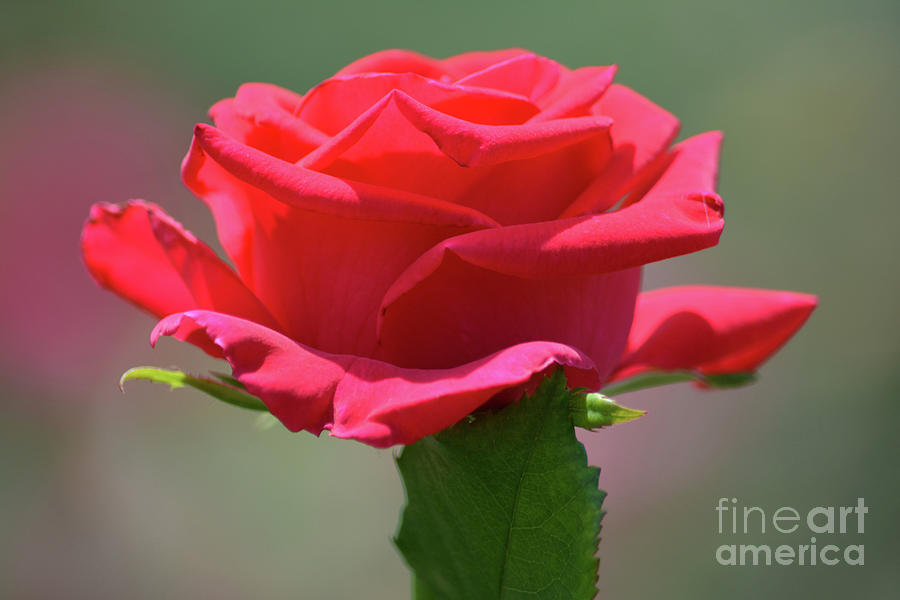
[735,519]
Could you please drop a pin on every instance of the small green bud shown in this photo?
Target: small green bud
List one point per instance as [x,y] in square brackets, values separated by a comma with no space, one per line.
[596,410]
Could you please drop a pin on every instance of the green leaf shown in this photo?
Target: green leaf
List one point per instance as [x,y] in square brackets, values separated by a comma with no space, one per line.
[176,379]
[503,506]
[657,378]
[596,410]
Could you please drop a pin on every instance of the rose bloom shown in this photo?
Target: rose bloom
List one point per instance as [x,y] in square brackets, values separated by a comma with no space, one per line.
[414,238]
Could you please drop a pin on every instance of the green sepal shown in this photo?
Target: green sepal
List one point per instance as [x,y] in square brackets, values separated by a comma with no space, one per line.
[730,380]
[652,379]
[596,410]
[503,506]
[265,421]
[229,379]
[176,379]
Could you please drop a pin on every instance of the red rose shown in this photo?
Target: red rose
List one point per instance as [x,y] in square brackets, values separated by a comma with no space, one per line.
[414,236]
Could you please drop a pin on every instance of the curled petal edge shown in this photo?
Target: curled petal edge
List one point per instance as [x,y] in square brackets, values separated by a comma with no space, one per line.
[141,253]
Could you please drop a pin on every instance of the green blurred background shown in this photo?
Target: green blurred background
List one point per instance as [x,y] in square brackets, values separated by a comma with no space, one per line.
[168,495]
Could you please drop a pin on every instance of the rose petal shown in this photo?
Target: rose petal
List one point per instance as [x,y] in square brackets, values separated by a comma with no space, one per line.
[357,398]
[577,91]
[468,144]
[697,171]
[471,62]
[302,188]
[336,102]
[145,256]
[296,383]
[680,214]
[319,251]
[641,132]
[401,143]
[527,75]
[382,405]
[473,145]
[713,330]
[264,116]
[396,61]
[464,312]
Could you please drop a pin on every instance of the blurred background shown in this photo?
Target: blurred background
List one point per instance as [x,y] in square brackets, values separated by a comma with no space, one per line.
[171,495]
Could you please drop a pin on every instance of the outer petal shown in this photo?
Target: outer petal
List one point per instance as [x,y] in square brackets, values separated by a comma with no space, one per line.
[370,401]
[712,330]
[145,256]
[382,405]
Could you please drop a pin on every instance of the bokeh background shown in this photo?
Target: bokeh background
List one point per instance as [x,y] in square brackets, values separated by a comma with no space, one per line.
[170,495]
